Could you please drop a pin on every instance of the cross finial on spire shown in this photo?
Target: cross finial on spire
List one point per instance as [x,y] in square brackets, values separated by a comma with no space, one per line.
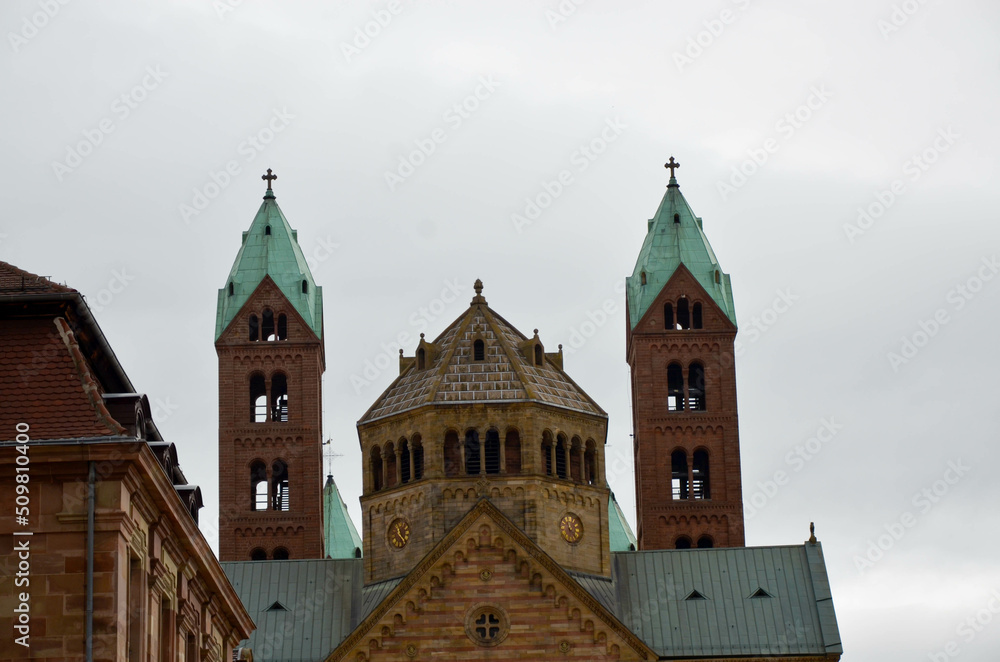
[270,178]
[672,165]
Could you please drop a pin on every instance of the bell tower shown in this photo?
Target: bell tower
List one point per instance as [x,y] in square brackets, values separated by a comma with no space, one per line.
[269,341]
[680,335]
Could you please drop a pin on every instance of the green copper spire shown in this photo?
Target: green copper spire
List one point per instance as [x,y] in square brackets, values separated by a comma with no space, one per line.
[271,248]
[341,538]
[675,237]
[619,532]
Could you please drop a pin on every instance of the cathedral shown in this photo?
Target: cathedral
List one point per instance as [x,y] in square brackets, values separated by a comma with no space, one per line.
[488,527]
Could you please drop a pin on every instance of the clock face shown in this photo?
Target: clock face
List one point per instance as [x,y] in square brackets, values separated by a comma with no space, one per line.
[399,533]
[571,528]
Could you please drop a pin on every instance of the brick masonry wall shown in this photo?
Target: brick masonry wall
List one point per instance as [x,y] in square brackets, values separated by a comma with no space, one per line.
[541,619]
[129,523]
[659,432]
[297,442]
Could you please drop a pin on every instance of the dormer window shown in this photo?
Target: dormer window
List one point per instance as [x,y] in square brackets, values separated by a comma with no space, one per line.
[479,351]
[230,288]
[267,230]
[421,359]
[677,218]
[642,277]
[305,287]
[538,355]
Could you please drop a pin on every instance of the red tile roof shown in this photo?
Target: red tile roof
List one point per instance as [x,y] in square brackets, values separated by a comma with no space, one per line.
[45,382]
[14,281]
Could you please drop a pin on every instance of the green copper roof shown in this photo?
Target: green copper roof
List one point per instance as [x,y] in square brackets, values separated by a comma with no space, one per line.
[675,237]
[342,539]
[270,248]
[620,533]
[794,618]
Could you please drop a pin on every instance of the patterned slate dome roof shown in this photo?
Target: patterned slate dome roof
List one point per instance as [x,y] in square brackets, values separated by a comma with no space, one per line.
[506,373]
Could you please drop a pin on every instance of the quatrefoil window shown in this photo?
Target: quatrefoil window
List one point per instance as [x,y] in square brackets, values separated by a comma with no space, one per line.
[487,625]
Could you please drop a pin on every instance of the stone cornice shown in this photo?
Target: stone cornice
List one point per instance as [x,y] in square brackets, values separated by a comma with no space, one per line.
[470,409]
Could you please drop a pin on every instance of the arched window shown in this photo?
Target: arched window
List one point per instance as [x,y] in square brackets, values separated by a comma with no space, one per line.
[642,278]
[230,288]
[404,461]
[677,218]
[683,314]
[279,486]
[282,327]
[705,542]
[576,460]
[279,398]
[590,463]
[267,230]
[305,287]
[479,351]
[539,358]
[561,456]
[280,554]
[683,542]
[267,325]
[418,457]
[678,475]
[547,452]
[675,387]
[258,554]
[699,476]
[452,454]
[512,452]
[421,359]
[696,387]
[696,321]
[258,399]
[472,452]
[389,457]
[668,316]
[492,451]
[254,328]
[258,486]
[376,462]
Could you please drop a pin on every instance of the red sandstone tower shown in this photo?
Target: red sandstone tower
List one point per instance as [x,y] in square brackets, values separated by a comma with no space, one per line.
[681,329]
[269,331]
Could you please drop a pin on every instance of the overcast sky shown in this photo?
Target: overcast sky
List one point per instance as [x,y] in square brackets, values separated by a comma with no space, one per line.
[788,119]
